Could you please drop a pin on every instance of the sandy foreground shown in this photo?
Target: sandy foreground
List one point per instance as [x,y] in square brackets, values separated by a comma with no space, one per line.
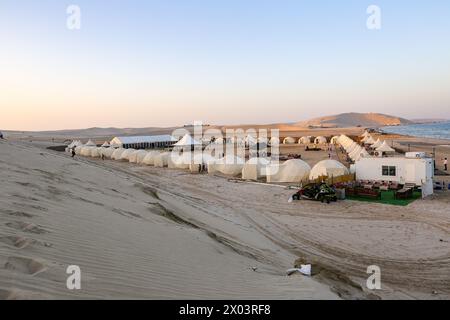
[144,232]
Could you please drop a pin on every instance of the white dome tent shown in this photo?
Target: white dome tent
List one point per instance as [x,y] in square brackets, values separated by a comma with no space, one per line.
[116,155]
[162,160]
[274,141]
[126,154]
[107,152]
[179,161]
[229,165]
[305,140]
[328,168]
[320,140]
[255,168]
[289,140]
[137,156]
[334,140]
[149,159]
[200,159]
[294,170]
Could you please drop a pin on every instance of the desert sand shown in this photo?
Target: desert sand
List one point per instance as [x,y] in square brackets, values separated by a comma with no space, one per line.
[155,233]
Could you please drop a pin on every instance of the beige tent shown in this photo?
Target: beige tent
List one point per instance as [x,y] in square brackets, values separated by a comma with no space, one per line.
[162,159]
[320,140]
[334,140]
[289,140]
[228,165]
[274,141]
[255,168]
[200,159]
[95,152]
[126,154]
[116,155]
[294,170]
[328,168]
[377,144]
[149,159]
[385,148]
[107,152]
[179,161]
[305,140]
[86,151]
[137,156]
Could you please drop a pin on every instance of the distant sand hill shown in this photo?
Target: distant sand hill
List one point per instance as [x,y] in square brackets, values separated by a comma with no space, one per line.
[344,120]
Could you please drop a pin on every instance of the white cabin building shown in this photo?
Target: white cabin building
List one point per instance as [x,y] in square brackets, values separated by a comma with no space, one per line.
[414,168]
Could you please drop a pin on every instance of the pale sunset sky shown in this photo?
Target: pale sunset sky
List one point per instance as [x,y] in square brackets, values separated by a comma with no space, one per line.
[169,62]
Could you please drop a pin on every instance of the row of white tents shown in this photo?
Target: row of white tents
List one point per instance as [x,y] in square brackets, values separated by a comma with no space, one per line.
[290,171]
[306,140]
[356,151]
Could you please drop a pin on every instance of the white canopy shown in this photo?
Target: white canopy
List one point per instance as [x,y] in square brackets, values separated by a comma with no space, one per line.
[385,148]
[369,140]
[187,140]
[90,143]
[377,144]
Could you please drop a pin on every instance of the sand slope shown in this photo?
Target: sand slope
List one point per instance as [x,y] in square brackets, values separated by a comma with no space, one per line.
[126,237]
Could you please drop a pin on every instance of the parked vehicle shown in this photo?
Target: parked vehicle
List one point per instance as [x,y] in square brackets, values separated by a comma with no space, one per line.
[316,191]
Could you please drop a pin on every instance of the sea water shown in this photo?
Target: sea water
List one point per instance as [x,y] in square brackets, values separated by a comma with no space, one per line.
[438,130]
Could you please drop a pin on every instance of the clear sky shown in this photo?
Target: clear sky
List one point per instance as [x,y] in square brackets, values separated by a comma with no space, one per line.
[139,63]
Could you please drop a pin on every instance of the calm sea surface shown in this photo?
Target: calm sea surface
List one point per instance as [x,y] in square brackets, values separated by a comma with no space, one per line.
[430,130]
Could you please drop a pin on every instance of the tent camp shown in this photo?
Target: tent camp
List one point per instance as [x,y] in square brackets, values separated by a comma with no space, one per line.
[288,140]
[137,156]
[328,168]
[320,140]
[162,159]
[105,144]
[149,159]
[294,170]
[229,165]
[305,140]
[255,168]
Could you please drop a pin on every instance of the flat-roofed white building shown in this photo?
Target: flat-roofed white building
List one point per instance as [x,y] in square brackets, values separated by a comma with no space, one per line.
[412,169]
[144,142]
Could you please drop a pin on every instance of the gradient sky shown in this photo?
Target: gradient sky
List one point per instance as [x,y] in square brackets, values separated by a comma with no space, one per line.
[159,63]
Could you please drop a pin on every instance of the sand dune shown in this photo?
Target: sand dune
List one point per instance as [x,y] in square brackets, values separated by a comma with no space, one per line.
[128,239]
[345,120]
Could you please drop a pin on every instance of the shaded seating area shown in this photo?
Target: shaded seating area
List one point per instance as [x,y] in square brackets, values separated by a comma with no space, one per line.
[385,192]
